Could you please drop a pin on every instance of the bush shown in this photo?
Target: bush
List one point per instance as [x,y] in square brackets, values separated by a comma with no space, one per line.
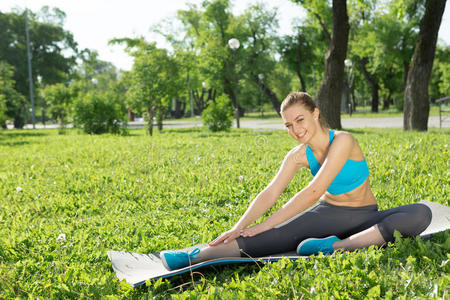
[99,113]
[218,115]
[399,103]
[3,110]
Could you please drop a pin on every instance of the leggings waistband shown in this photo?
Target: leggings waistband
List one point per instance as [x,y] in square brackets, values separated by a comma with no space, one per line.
[367,207]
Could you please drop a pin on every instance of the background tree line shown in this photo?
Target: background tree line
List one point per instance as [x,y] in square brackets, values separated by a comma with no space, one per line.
[344,53]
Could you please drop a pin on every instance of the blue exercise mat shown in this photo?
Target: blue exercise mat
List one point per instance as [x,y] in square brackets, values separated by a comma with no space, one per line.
[136,268]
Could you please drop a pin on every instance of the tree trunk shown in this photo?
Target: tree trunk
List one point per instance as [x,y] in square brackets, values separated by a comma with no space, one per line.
[405,72]
[352,91]
[19,119]
[330,91]
[347,97]
[151,114]
[299,69]
[200,103]
[231,93]
[273,98]
[387,101]
[269,93]
[417,104]
[374,86]
[43,115]
[302,81]
[178,111]
[160,121]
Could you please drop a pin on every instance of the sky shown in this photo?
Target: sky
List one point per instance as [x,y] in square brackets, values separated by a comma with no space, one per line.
[93,23]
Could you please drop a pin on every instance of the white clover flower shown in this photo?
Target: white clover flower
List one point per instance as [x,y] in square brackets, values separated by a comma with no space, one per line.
[241,178]
[61,237]
[18,189]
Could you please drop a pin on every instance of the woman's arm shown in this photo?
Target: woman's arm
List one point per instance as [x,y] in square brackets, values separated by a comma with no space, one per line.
[335,160]
[294,160]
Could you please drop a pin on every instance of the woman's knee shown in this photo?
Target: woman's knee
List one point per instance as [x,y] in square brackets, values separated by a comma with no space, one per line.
[411,220]
[421,215]
[418,218]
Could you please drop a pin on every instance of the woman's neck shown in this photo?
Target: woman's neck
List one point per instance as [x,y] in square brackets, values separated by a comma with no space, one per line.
[320,141]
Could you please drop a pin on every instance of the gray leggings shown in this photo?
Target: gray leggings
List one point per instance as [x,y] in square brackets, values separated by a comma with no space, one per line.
[324,219]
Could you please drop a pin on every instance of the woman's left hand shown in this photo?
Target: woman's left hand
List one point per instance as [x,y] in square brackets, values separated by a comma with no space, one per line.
[254,230]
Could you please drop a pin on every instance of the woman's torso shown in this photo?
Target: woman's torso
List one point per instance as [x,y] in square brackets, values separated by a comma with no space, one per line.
[361,195]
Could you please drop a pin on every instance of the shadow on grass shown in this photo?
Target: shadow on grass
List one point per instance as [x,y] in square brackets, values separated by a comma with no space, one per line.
[14,144]
[205,133]
[182,130]
[16,134]
[18,138]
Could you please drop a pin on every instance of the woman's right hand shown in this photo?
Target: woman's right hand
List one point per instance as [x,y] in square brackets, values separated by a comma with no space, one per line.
[226,237]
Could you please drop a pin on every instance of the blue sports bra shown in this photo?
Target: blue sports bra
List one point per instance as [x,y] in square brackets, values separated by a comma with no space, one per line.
[352,174]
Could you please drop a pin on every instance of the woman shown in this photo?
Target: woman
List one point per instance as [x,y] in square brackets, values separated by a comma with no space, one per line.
[346,216]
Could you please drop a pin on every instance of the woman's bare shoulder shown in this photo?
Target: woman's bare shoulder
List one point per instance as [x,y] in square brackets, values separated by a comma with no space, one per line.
[342,133]
[344,137]
[297,155]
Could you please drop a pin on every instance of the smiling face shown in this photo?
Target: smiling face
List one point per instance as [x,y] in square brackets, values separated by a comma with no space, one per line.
[301,123]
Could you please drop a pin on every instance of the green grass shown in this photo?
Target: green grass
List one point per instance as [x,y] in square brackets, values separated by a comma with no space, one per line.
[186,186]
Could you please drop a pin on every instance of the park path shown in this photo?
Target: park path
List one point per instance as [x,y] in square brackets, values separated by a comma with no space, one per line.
[389,122]
[349,123]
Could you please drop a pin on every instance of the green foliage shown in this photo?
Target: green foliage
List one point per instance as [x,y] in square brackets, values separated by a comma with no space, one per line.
[440,77]
[153,81]
[59,101]
[66,200]
[209,28]
[219,114]
[53,50]
[399,104]
[11,102]
[301,54]
[99,112]
[94,72]
[3,116]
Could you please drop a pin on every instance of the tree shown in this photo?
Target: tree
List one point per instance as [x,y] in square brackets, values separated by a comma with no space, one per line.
[59,101]
[209,31]
[299,53]
[417,104]
[259,29]
[440,76]
[11,102]
[331,89]
[93,70]
[154,80]
[49,44]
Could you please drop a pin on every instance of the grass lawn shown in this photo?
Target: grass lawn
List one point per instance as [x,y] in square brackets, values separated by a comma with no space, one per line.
[67,199]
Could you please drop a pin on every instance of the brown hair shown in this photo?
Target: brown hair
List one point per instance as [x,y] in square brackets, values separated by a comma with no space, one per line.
[304,99]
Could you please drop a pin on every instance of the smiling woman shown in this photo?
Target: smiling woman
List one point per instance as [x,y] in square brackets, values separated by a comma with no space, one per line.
[336,210]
